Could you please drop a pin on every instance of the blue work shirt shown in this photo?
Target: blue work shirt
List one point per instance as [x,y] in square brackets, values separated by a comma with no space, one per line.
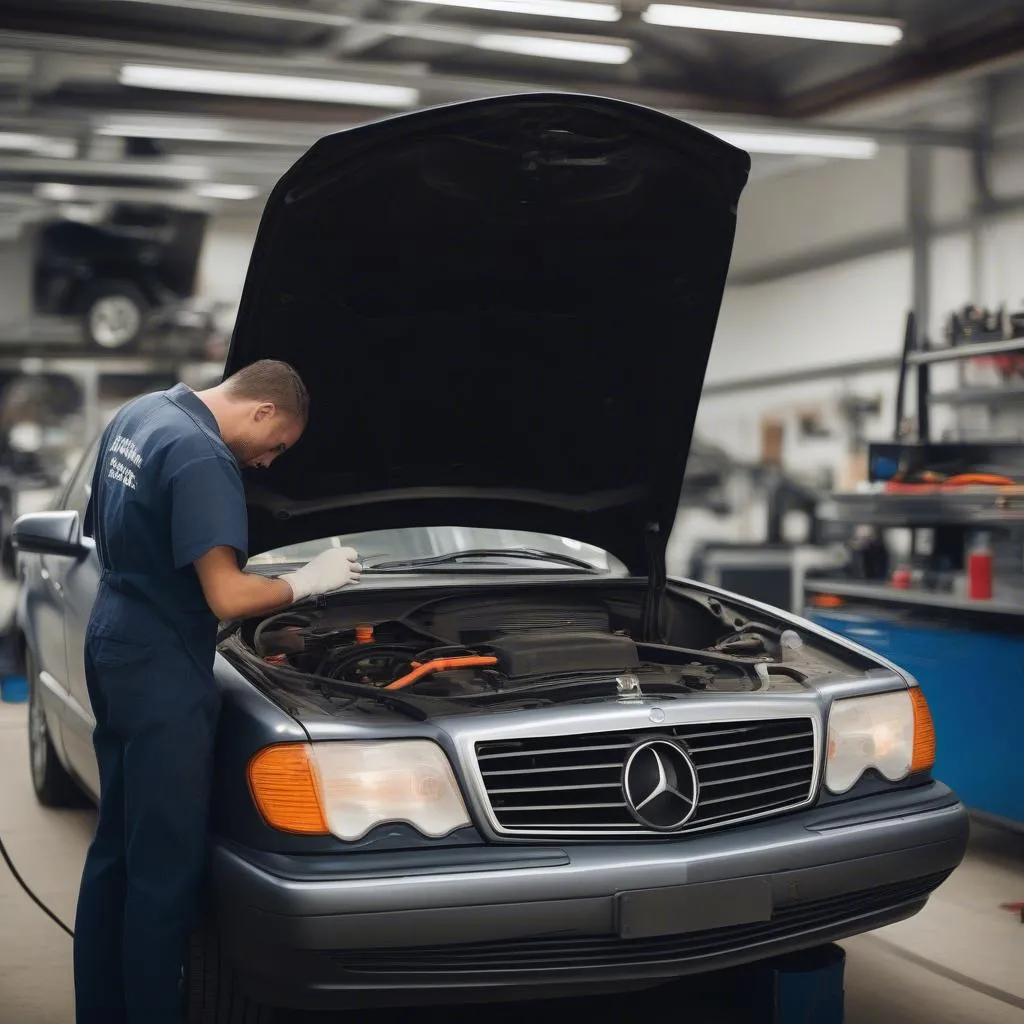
[166,490]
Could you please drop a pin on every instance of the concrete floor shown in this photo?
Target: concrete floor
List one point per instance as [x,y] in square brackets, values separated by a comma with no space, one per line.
[961,961]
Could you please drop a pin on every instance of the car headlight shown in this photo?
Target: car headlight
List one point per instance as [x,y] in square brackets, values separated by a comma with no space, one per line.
[890,732]
[345,788]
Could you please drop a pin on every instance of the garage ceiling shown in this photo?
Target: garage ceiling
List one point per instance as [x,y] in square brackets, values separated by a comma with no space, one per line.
[206,102]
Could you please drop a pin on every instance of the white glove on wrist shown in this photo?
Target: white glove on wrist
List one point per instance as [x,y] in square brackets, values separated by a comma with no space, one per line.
[330,570]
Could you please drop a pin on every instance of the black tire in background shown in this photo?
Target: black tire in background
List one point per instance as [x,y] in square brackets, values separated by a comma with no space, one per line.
[53,785]
[212,993]
[113,315]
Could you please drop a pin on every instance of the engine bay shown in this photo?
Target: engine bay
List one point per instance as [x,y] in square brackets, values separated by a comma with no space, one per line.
[491,644]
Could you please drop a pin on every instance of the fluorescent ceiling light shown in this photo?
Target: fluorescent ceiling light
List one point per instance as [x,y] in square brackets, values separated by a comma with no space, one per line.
[214,191]
[184,131]
[279,87]
[762,23]
[20,141]
[43,145]
[583,10]
[59,191]
[559,49]
[839,146]
[190,133]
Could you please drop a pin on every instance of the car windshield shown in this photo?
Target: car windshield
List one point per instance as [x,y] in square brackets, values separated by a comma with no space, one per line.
[414,544]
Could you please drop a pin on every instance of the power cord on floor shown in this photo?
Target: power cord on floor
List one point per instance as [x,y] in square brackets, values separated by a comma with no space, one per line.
[31,895]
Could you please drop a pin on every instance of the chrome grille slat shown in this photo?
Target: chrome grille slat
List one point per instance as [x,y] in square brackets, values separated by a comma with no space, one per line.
[770,768]
[721,819]
[745,778]
[752,793]
[553,750]
[566,807]
[741,760]
[736,746]
[554,768]
[554,789]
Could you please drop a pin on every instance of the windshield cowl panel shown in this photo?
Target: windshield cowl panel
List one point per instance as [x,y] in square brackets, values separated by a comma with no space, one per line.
[453,547]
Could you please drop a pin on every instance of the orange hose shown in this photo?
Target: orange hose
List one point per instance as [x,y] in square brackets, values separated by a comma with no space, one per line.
[951,484]
[980,479]
[439,665]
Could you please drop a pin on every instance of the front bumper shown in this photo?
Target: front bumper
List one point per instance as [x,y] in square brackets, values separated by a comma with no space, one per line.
[517,920]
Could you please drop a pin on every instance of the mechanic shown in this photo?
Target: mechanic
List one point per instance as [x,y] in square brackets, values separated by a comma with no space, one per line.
[168,515]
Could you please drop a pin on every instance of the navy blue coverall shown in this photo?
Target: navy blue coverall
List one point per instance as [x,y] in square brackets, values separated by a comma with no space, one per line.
[166,489]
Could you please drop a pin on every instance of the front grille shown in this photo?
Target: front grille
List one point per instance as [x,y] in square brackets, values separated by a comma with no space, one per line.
[598,951]
[561,786]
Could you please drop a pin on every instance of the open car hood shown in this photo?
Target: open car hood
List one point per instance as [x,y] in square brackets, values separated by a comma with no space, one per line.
[503,310]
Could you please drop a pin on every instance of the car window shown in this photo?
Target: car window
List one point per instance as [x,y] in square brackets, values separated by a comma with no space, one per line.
[76,497]
[423,542]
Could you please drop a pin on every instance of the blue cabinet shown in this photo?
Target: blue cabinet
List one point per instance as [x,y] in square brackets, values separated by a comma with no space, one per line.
[974,683]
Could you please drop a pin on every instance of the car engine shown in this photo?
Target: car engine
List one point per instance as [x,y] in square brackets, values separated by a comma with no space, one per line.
[458,647]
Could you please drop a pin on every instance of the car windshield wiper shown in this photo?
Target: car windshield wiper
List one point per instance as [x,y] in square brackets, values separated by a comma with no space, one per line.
[481,554]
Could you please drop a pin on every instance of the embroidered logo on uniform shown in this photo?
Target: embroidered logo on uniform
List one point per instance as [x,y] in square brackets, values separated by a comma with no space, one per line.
[121,471]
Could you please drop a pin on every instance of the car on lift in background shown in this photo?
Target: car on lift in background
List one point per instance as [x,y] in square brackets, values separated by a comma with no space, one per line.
[113,276]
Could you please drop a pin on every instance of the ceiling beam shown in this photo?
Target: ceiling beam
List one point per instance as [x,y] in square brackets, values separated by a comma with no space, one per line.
[435,88]
[149,169]
[361,31]
[292,134]
[994,45]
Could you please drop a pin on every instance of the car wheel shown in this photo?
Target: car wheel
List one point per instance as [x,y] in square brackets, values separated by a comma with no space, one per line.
[53,785]
[113,315]
[212,992]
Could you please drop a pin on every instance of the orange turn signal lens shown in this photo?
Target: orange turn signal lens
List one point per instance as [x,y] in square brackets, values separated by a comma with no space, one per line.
[826,601]
[924,732]
[286,788]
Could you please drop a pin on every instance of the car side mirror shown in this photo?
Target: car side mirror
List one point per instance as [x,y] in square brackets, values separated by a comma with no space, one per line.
[48,533]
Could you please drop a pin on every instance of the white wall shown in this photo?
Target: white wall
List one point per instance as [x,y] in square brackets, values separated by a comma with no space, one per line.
[225,257]
[819,206]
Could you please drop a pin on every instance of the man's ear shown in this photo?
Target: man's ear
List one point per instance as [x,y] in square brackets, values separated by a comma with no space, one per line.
[264,411]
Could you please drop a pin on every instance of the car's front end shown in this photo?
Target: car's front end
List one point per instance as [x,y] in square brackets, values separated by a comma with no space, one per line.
[745,787]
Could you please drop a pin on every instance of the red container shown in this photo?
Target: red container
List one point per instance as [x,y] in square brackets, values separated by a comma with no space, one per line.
[979,571]
[901,579]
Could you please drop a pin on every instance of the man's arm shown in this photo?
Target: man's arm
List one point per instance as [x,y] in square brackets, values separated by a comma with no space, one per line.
[233,594]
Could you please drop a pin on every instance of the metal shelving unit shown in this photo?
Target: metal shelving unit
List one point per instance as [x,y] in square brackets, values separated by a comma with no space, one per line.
[972,350]
[977,507]
[1010,395]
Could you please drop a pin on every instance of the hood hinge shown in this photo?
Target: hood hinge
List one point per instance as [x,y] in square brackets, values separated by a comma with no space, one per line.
[656,580]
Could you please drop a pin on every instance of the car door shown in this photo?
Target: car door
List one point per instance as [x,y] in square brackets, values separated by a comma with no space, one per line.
[78,581]
[43,603]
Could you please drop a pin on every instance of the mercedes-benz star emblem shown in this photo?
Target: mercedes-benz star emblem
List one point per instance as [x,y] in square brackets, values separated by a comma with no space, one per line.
[660,784]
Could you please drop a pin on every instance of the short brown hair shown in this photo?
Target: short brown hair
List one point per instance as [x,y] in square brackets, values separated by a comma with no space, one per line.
[270,380]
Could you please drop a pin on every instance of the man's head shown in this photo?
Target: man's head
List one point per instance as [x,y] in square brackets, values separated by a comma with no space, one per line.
[261,411]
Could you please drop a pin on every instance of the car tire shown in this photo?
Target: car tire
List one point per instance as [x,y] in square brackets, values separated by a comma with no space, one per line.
[113,315]
[212,992]
[53,785]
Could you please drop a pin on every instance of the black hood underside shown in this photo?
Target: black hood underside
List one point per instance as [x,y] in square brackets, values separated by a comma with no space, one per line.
[503,311]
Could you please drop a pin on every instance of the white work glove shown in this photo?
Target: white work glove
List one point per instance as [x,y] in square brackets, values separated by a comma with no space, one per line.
[330,570]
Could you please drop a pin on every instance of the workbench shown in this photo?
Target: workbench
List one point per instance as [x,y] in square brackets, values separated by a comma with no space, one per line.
[968,657]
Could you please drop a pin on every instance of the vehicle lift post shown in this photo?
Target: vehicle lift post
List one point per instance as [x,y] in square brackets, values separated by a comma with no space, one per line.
[799,988]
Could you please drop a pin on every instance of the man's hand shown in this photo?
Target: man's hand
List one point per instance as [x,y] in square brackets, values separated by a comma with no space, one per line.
[329,571]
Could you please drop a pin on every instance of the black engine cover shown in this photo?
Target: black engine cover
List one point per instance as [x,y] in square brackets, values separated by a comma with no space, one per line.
[550,652]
